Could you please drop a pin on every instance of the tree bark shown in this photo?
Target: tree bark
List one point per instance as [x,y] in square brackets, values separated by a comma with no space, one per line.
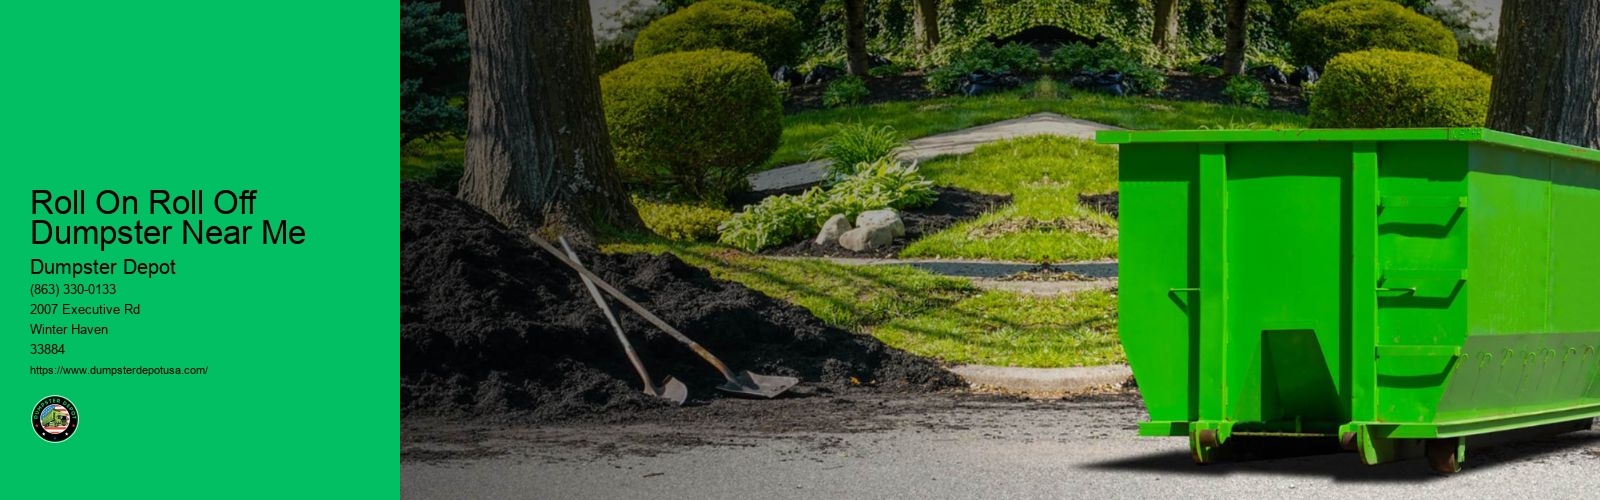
[925,29]
[538,154]
[1547,81]
[1166,31]
[855,37]
[1237,30]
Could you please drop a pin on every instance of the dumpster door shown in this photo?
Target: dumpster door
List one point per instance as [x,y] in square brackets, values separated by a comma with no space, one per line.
[1286,285]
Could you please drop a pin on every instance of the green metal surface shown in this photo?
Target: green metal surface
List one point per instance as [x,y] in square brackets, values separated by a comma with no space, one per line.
[1392,285]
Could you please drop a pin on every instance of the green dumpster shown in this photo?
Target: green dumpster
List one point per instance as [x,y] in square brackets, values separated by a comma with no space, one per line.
[1400,290]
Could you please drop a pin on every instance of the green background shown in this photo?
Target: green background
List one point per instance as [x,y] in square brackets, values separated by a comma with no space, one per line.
[295,99]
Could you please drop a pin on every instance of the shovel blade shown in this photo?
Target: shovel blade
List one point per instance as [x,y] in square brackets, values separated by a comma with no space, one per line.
[756,385]
[671,390]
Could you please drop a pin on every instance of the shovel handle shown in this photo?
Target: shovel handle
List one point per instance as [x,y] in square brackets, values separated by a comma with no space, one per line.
[633,357]
[634,306]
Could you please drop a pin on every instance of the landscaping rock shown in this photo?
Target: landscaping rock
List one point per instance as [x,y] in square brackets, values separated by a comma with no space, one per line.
[1302,76]
[831,230]
[1269,74]
[785,74]
[1108,81]
[862,239]
[882,218]
[822,74]
[980,81]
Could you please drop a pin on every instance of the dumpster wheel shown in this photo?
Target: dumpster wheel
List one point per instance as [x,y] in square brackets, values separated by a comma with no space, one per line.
[1444,456]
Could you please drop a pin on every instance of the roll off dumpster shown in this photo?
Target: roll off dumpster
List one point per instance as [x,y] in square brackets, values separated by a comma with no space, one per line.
[1403,291]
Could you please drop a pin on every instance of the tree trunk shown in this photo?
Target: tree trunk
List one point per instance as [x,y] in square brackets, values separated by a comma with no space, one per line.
[855,37]
[925,30]
[1547,81]
[1166,32]
[538,154]
[1237,30]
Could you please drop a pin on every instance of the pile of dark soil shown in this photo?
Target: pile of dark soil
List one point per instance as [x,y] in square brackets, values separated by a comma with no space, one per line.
[1183,86]
[953,206]
[1105,203]
[491,327]
[906,87]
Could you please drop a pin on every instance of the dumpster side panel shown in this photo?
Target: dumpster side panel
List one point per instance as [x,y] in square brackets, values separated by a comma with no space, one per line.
[1575,277]
[1509,194]
[1287,252]
[1422,253]
[1159,185]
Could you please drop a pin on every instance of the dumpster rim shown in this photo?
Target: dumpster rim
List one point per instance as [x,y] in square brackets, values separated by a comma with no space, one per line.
[1348,135]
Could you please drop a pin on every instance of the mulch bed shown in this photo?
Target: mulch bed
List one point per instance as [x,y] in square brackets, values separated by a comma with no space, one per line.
[952,207]
[492,328]
[1183,86]
[1105,203]
[905,87]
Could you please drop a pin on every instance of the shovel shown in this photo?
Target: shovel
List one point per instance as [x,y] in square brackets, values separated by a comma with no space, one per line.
[741,383]
[670,389]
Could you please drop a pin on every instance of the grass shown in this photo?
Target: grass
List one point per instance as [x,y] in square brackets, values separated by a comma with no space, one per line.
[923,313]
[420,158]
[1010,329]
[913,119]
[1044,222]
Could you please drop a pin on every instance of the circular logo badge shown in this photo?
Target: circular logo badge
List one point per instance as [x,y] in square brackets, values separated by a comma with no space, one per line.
[55,419]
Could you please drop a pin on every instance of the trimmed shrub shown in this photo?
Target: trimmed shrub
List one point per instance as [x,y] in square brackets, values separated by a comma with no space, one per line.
[1013,58]
[845,91]
[692,123]
[1386,88]
[1246,91]
[771,34]
[855,144]
[783,218]
[1320,34]
[682,222]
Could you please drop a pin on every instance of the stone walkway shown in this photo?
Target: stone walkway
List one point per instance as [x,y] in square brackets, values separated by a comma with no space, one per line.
[949,143]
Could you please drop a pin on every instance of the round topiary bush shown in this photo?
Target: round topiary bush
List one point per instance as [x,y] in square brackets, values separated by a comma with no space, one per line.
[771,34]
[1319,34]
[1387,88]
[692,123]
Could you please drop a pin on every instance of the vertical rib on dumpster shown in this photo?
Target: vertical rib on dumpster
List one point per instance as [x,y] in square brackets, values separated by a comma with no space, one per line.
[1213,281]
[1363,381]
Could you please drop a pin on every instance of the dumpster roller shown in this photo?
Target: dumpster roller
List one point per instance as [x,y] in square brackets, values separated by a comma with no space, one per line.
[1404,292]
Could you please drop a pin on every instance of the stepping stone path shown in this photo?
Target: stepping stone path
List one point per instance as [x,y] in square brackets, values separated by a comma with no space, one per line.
[949,143]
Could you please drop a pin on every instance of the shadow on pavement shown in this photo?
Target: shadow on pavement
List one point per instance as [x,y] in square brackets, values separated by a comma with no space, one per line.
[1347,467]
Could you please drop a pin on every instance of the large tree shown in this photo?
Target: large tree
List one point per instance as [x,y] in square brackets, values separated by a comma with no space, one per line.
[1547,76]
[1237,29]
[855,37]
[1166,29]
[538,156]
[925,28]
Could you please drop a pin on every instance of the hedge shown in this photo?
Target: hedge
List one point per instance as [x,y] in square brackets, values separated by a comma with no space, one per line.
[771,34]
[1392,89]
[692,123]
[1319,34]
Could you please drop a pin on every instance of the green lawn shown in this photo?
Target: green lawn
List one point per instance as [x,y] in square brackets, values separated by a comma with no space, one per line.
[1044,222]
[925,314]
[913,119]
[420,158]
